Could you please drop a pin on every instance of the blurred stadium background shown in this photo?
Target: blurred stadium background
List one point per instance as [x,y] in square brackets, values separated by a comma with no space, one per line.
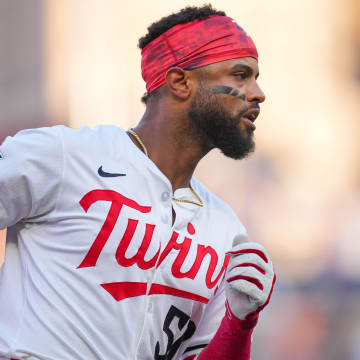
[76,62]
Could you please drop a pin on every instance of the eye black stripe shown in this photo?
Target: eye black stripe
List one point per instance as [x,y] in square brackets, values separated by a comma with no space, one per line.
[220,89]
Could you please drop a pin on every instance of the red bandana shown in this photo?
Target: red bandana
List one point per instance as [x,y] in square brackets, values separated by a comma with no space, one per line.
[192,45]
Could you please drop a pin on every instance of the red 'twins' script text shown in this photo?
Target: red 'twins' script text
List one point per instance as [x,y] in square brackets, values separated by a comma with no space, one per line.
[121,290]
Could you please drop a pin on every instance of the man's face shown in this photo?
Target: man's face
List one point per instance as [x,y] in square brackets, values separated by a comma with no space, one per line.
[226,104]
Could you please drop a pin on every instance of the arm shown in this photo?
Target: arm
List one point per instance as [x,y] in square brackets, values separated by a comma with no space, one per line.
[250,282]
[31,166]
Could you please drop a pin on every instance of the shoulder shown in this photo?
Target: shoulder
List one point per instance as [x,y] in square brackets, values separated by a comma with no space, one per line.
[32,143]
[42,133]
[88,140]
[54,140]
[86,133]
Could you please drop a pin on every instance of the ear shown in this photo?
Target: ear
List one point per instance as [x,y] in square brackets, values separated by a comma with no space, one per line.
[179,82]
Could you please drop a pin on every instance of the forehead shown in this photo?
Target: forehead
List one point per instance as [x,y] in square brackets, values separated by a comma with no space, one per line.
[237,64]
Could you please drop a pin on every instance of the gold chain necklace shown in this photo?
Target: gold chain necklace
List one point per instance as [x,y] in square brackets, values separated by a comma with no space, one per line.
[137,137]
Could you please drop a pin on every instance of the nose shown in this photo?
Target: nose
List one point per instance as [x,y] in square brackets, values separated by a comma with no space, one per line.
[255,94]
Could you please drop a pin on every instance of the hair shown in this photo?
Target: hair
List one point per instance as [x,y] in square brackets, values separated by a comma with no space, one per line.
[183,16]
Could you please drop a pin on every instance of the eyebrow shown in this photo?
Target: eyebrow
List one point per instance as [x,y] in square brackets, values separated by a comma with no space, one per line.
[247,69]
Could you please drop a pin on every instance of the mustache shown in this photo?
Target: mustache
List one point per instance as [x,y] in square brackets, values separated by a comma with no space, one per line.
[252,106]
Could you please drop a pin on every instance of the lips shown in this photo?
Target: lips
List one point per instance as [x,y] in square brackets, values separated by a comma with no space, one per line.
[251,114]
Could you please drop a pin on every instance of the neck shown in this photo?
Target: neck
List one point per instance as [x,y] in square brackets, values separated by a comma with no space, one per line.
[170,146]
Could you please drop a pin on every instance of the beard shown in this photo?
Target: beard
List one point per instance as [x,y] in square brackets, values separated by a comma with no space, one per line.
[217,127]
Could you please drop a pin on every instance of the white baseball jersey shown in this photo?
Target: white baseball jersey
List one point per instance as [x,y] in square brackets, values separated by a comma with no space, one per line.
[94,267]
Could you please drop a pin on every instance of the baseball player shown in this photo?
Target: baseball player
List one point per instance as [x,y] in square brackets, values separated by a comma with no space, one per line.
[114,251]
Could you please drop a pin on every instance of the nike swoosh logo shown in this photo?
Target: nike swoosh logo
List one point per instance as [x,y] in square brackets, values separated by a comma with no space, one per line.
[102,173]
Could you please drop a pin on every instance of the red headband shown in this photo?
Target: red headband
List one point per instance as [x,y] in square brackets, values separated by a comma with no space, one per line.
[192,45]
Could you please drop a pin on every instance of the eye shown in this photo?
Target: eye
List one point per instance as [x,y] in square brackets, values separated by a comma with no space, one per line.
[241,75]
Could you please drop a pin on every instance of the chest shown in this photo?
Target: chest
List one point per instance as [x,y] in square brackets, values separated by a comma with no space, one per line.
[124,234]
[134,243]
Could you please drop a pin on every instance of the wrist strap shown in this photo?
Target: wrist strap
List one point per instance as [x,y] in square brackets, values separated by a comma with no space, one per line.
[232,341]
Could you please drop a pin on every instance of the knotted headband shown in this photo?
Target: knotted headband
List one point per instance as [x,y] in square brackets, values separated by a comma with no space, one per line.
[192,45]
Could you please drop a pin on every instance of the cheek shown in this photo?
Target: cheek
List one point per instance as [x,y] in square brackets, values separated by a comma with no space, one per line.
[237,108]
[232,105]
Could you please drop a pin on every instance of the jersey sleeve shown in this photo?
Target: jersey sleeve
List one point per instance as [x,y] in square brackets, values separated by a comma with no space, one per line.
[31,168]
